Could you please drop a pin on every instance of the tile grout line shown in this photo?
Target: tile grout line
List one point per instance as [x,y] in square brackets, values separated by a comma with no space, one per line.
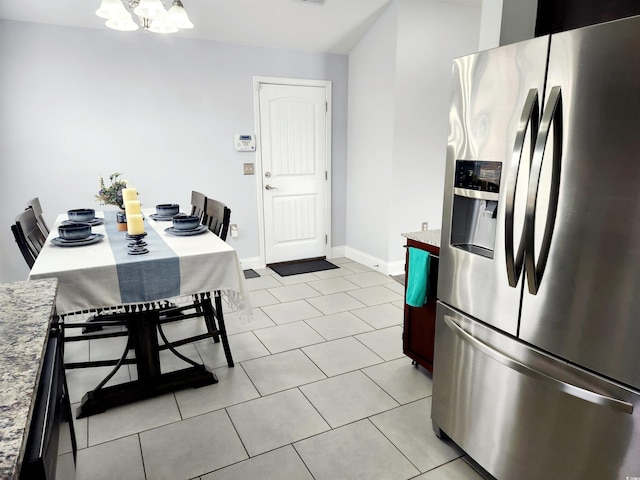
[299,387]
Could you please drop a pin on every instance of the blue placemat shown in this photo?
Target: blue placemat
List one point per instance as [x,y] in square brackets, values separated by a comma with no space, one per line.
[143,278]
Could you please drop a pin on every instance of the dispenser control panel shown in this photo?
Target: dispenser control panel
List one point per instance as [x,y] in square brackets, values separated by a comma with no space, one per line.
[478,175]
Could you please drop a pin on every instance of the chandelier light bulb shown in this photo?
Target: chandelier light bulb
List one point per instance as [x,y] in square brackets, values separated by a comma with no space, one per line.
[163,24]
[149,9]
[123,25]
[110,9]
[179,15]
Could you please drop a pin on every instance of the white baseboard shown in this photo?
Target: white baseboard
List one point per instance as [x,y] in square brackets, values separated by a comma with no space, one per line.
[337,252]
[388,268]
[252,262]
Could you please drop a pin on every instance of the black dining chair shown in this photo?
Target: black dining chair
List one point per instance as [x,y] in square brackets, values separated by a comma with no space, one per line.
[23,246]
[30,233]
[217,217]
[198,204]
[31,239]
[34,204]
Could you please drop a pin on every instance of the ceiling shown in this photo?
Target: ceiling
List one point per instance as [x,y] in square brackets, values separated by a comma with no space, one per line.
[335,27]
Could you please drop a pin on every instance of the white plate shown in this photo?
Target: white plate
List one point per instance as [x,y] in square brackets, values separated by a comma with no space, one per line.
[160,218]
[94,222]
[93,238]
[186,233]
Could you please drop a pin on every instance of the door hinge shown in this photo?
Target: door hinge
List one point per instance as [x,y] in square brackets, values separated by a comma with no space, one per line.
[326,107]
[326,239]
[326,175]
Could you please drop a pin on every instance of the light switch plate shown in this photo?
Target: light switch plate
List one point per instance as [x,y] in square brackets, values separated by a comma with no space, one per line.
[248,168]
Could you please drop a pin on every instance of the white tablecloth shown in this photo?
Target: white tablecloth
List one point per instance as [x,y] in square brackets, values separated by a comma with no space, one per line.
[88,276]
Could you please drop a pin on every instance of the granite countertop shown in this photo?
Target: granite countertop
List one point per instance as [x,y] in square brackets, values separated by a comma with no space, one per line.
[430,237]
[25,314]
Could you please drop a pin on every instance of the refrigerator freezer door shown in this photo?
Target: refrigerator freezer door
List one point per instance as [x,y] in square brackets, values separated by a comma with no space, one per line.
[495,94]
[522,414]
[587,307]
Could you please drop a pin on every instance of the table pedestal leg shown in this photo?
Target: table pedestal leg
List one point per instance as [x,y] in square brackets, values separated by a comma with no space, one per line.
[142,327]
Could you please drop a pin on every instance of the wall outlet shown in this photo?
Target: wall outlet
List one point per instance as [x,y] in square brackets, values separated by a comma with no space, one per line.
[233,230]
[248,168]
[425,226]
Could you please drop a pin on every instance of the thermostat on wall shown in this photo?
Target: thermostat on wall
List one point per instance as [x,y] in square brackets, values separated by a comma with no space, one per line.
[245,143]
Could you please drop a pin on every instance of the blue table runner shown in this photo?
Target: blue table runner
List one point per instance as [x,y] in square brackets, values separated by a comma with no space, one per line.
[143,278]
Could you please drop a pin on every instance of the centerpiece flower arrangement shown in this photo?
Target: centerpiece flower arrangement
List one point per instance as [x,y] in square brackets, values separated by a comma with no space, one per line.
[112,194]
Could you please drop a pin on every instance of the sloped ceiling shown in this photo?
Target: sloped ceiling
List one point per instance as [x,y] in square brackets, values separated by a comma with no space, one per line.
[335,27]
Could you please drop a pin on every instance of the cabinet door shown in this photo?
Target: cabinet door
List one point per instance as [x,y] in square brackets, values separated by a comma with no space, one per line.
[494,92]
[586,307]
[546,418]
[419,322]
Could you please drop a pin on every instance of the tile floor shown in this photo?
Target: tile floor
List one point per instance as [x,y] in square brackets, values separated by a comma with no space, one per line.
[320,390]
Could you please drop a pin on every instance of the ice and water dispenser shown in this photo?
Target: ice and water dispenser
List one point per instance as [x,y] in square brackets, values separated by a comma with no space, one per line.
[475,206]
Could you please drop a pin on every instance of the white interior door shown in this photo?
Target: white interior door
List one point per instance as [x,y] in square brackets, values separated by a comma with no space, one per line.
[293,135]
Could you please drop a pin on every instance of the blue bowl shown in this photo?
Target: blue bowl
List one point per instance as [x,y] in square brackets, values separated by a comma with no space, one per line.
[74,231]
[81,214]
[185,222]
[167,209]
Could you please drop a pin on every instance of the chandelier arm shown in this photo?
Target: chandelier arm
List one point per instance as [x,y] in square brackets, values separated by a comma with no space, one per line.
[167,22]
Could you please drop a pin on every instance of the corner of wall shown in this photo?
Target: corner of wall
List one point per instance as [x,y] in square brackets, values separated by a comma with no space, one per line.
[382,266]
[490,24]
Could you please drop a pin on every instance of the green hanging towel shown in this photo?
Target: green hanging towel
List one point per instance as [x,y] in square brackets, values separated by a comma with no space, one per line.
[418,278]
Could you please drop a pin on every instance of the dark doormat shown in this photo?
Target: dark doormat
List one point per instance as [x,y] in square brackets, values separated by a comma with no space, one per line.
[306,266]
[250,273]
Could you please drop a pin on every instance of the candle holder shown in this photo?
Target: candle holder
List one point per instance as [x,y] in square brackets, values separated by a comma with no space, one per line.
[137,246]
[121,221]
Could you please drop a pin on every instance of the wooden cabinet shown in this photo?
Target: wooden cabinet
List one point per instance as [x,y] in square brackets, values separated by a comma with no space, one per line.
[35,397]
[420,322]
[559,15]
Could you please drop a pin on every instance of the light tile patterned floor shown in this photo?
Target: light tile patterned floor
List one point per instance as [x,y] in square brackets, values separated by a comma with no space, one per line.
[320,390]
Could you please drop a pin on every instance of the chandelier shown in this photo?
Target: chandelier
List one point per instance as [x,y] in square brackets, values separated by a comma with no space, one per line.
[152,15]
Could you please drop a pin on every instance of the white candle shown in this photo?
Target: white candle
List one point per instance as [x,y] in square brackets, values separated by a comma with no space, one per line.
[132,207]
[135,224]
[129,193]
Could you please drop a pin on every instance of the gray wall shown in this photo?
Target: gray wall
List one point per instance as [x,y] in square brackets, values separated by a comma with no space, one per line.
[518,21]
[507,21]
[78,103]
[398,123]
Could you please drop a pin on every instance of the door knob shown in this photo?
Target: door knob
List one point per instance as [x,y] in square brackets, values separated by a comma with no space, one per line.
[269,187]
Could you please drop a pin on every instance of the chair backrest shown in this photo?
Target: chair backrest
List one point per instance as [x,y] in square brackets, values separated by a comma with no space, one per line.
[27,224]
[22,245]
[198,205]
[34,204]
[217,217]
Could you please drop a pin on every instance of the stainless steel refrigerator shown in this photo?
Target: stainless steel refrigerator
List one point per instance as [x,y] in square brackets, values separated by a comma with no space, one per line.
[537,355]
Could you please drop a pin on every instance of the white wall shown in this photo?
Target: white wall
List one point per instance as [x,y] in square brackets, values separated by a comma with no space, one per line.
[76,104]
[370,139]
[490,24]
[397,146]
[518,21]
[506,21]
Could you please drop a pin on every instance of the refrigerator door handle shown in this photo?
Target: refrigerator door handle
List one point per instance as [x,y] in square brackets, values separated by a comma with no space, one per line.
[552,116]
[529,117]
[520,367]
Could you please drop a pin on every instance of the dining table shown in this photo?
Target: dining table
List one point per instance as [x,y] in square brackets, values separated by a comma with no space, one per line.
[105,273]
